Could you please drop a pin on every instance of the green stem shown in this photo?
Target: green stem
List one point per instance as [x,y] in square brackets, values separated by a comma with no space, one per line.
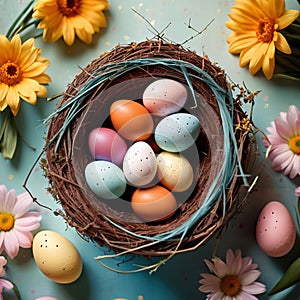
[17,292]
[22,19]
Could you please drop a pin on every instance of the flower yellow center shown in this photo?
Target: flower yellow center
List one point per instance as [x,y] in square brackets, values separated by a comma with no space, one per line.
[68,8]
[7,221]
[10,74]
[265,30]
[230,285]
[294,144]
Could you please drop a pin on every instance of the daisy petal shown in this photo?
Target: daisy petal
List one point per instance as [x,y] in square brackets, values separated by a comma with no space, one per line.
[11,244]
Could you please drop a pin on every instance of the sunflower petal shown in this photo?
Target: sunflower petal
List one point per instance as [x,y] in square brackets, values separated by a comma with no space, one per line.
[287,18]
[13,100]
[282,45]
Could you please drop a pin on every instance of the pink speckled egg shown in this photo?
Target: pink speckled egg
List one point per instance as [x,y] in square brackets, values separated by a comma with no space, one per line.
[275,230]
[106,144]
[164,97]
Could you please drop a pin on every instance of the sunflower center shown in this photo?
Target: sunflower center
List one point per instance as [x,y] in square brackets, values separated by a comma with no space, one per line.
[68,8]
[7,221]
[230,285]
[265,30]
[10,73]
[294,144]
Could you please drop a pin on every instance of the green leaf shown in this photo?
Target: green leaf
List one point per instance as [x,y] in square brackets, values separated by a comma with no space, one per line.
[290,277]
[290,76]
[24,16]
[8,137]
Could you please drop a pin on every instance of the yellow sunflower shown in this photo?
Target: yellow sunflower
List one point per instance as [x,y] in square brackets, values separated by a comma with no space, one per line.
[21,73]
[256,25]
[67,18]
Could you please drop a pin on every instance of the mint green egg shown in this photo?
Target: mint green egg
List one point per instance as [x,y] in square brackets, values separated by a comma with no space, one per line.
[105,179]
[177,132]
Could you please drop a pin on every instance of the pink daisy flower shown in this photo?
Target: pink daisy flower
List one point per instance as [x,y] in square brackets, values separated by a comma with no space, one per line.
[284,142]
[233,279]
[297,191]
[3,262]
[16,222]
[4,284]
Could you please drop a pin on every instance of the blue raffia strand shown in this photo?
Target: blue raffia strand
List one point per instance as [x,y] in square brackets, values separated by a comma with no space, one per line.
[224,99]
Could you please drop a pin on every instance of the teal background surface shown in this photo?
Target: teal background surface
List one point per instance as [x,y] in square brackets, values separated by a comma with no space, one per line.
[178,279]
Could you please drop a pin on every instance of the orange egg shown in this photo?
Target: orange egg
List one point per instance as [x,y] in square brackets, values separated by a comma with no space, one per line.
[154,203]
[131,120]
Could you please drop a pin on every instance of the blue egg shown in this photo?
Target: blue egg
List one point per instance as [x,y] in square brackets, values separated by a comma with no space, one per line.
[177,132]
[105,179]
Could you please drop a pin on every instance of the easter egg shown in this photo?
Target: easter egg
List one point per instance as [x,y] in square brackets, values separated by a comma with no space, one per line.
[153,203]
[46,298]
[105,179]
[165,96]
[177,132]
[174,171]
[139,165]
[131,120]
[106,144]
[275,230]
[56,257]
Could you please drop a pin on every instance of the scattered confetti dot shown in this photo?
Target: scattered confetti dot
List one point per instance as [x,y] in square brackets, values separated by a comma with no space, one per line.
[36,169]
[153,22]
[32,292]
[266,98]
[141,5]
[126,37]
[266,105]
[219,10]
[140,297]
[11,176]
[120,7]
[107,43]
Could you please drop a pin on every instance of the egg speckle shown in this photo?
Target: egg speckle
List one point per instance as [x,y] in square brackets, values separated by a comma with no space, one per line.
[275,230]
[164,96]
[56,257]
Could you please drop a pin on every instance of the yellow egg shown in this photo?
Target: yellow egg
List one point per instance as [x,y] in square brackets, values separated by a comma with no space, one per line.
[174,171]
[56,257]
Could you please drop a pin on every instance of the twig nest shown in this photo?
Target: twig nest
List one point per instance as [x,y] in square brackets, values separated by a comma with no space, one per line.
[179,174]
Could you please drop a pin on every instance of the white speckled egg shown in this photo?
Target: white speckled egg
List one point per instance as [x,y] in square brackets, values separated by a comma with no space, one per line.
[164,97]
[177,132]
[275,230]
[174,171]
[139,165]
[56,257]
[105,179]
